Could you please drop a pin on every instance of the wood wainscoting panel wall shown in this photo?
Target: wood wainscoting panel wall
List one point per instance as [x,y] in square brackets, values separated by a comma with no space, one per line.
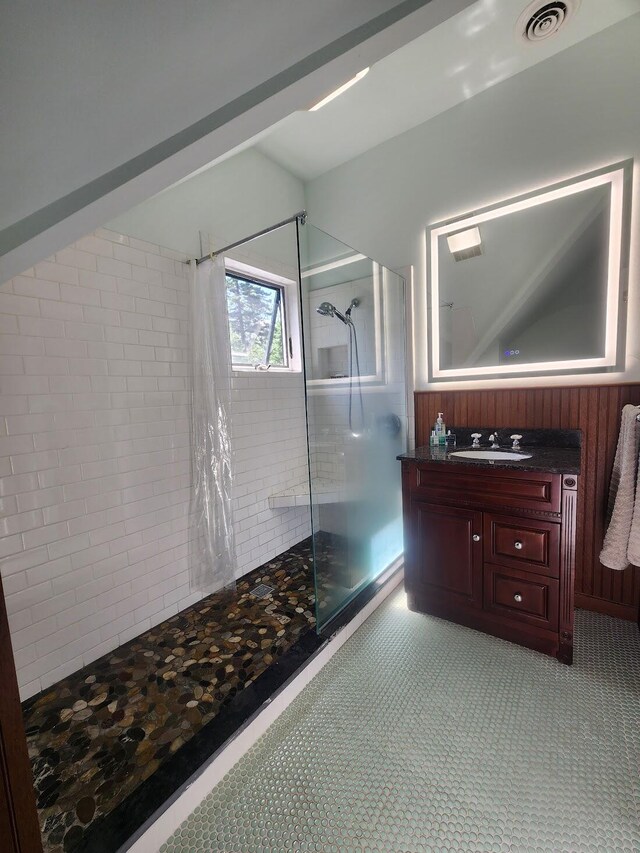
[594,409]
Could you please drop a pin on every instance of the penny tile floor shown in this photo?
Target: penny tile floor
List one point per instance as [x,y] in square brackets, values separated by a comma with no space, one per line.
[421,736]
[99,733]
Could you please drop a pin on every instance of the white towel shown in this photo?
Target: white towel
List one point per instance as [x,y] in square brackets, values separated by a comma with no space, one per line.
[624,523]
[633,551]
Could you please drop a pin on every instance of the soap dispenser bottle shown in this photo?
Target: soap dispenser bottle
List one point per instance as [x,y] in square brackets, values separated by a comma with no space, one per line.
[440,430]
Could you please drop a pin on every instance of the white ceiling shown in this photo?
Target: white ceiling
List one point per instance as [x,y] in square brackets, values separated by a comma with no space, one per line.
[465,55]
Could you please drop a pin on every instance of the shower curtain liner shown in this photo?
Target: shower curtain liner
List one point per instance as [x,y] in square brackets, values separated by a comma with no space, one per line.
[213,551]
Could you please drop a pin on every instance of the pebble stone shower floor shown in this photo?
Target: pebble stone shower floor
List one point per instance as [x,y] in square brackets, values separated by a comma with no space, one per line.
[421,735]
[100,734]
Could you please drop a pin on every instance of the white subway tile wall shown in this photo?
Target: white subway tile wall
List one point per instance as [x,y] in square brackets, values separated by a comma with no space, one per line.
[95,453]
[270,454]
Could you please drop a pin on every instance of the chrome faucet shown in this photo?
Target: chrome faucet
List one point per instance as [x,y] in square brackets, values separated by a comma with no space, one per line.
[493,438]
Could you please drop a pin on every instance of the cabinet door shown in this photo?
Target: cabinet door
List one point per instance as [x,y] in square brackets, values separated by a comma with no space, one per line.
[445,553]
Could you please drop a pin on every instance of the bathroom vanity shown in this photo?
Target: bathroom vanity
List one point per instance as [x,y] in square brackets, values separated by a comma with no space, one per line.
[490,543]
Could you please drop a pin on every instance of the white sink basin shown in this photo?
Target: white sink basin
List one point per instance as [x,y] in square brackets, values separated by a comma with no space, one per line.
[490,455]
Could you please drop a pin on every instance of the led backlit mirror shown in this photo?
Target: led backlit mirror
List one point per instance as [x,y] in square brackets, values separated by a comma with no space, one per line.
[532,285]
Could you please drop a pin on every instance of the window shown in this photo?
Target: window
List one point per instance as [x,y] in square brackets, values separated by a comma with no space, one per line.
[257,325]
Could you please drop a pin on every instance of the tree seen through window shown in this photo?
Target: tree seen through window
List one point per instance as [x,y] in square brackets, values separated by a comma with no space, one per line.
[255,322]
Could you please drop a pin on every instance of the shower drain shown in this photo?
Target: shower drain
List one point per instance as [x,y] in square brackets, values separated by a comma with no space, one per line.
[262,591]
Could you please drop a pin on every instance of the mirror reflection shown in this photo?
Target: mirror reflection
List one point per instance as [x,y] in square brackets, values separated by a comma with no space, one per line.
[525,283]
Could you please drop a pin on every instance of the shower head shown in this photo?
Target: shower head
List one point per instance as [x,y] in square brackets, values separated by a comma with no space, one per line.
[329,310]
[353,304]
[326,309]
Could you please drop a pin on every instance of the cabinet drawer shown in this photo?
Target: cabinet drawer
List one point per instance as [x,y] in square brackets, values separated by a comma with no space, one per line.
[458,484]
[522,596]
[522,544]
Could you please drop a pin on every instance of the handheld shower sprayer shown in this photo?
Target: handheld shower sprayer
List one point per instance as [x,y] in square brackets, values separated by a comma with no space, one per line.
[327,309]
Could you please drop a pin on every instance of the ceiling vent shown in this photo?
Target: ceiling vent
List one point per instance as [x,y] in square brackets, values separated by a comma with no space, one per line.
[541,20]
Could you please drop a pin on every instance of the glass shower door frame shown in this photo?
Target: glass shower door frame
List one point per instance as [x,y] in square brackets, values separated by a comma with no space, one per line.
[356,518]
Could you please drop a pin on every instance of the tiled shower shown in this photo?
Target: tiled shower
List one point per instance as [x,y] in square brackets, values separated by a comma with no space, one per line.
[96,474]
[96,494]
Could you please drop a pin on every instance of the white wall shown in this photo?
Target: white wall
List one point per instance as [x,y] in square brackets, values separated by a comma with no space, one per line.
[575,112]
[95,453]
[229,201]
[110,104]
[269,457]
[90,86]
[95,447]
[269,430]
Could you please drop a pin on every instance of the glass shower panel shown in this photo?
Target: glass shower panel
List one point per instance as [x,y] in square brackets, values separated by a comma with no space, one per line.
[354,346]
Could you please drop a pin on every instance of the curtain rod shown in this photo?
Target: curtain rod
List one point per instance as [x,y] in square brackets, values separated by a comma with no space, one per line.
[300,216]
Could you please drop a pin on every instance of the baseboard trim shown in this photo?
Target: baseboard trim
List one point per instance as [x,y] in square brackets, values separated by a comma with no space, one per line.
[609,608]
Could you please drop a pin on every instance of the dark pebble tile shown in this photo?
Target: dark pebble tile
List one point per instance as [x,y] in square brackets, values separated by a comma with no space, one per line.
[212,654]
[85,809]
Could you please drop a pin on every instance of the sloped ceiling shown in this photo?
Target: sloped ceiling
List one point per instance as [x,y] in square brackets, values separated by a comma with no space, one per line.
[106,103]
[465,55]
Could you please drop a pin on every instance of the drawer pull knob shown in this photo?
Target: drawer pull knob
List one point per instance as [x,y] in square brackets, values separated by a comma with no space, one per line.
[517,597]
[475,537]
[518,545]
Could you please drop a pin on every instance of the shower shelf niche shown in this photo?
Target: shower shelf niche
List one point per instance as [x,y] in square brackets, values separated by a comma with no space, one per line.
[324,492]
[333,362]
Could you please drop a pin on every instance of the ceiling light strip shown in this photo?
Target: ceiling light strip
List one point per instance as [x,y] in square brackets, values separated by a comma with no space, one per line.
[337,92]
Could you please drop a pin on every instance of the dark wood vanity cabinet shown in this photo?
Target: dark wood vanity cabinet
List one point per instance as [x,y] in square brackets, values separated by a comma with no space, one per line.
[493,549]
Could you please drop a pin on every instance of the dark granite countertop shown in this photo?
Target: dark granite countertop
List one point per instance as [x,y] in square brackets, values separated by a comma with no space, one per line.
[552,451]
[553,460]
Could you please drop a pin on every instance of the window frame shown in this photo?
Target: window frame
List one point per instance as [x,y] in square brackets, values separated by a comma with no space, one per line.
[289,308]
